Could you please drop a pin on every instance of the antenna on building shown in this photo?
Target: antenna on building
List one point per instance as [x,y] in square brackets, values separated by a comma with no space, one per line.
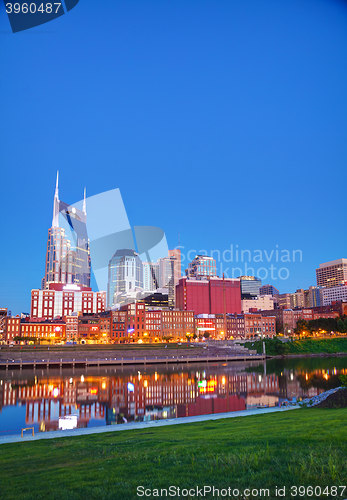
[56,194]
[84,202]
[55,220]
[179,240]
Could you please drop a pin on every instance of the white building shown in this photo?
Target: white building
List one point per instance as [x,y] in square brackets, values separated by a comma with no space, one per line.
[150,276]
[63,300]
[334,293]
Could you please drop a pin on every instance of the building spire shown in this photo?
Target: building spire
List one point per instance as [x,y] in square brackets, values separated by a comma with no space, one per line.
[55,221]
[84,202]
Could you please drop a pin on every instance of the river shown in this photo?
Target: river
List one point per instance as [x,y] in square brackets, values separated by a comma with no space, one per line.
[66,399]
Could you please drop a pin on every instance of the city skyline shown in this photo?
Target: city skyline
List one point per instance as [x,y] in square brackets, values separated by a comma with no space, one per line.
[224,122]
[235,255]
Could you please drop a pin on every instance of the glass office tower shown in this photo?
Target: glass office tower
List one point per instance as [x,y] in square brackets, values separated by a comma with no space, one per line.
[125,275]
[67,255]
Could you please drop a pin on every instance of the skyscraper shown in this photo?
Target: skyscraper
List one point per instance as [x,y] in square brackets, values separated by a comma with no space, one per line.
[67,255]
[166,277]
[202,267]
[332,273]
[125,275]
[250,286]
[150,276]
[176,253]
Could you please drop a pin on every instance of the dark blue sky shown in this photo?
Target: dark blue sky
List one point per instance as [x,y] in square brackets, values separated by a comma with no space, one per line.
[224,120]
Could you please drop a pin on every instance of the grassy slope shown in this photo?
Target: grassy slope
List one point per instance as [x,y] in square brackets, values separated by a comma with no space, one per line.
[308,346]
[299,447]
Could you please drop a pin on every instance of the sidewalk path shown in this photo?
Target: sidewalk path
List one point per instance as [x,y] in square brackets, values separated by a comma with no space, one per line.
[141,425]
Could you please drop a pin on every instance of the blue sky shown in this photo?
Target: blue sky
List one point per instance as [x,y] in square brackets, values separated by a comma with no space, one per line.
[222,120]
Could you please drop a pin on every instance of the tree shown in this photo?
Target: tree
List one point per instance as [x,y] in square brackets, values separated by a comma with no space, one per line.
[341,327]
[302,326]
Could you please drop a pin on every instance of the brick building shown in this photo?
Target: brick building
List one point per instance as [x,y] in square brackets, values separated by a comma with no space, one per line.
[44,330]
[10,327]
[207,296]
[62,300]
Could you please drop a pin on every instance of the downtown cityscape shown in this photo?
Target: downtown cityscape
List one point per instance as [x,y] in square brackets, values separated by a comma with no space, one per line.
[149,302]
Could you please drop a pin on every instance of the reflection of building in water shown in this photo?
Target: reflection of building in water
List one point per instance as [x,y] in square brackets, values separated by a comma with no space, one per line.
[73,401]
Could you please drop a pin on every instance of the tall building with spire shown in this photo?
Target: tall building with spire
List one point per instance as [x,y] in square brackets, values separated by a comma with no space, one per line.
[67,254]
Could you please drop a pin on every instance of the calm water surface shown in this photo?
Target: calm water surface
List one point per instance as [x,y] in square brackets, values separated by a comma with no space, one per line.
[67,399]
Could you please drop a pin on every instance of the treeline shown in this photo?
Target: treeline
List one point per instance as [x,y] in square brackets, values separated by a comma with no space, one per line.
[276,347]
[335,325]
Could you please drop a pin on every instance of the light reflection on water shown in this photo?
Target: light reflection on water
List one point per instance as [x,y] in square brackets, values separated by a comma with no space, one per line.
[68,399]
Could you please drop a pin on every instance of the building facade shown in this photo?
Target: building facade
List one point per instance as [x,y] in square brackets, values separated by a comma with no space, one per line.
[315,297]
[332,273]
[125,276]
[176,254]
[334,294]
[250,287]
[63,300]
[212,296]
[268,290]
[150,276]
[10,328]
[67,254]
[44,330]
[202,267]
[262,302]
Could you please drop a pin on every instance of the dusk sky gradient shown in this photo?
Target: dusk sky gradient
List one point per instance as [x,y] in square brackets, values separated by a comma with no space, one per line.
[222,120]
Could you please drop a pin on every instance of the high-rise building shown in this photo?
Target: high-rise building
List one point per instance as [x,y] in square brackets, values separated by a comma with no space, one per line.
[298,298]
[166,277]
[202,267]
[285,301]
[332,273]
[125,276]
[176,253]
[334,294]
[268,290]
[150,276]
[250,286]
[67,255]
[315,298]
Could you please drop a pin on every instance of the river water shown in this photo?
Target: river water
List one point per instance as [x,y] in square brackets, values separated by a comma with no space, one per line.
[67,399]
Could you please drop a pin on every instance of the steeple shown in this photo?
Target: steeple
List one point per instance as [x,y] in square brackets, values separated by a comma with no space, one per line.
[55,221]
[84,203]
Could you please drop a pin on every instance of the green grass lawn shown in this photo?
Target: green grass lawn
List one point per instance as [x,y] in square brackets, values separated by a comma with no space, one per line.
[306,346]
[306,447]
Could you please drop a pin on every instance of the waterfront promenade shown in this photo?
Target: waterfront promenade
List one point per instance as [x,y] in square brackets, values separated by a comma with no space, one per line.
[87,356]
[140,425]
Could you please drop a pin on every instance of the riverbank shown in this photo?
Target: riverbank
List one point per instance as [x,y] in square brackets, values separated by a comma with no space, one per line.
[303,448]
[303,348]
[84,431]
[120,355]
